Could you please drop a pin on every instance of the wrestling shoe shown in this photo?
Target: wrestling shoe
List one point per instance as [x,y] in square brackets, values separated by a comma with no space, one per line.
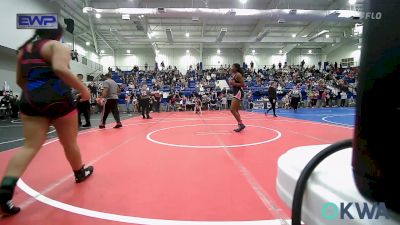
[84,173]
[117,126]
[7,207]
[240,128]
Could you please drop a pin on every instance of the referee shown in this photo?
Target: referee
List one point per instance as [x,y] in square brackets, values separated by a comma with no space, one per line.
[110,102]
[272,98]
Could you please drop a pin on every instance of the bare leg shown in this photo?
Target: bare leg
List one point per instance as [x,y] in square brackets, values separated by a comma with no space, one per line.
[67,131]
[235,110]
[35,133]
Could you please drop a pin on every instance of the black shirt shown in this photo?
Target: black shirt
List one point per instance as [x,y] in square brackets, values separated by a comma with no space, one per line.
[272,92]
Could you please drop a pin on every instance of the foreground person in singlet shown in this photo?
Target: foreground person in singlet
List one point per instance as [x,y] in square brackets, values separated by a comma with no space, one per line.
[237,84]
[44,76]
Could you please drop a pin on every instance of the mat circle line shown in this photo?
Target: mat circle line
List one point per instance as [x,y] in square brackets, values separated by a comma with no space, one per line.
[148,136]
[131,219]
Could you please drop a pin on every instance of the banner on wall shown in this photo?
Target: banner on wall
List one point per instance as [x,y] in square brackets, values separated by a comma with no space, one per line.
[37,21]
[6,87]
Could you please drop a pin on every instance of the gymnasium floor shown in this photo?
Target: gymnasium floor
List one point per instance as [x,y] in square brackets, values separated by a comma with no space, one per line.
[178,168]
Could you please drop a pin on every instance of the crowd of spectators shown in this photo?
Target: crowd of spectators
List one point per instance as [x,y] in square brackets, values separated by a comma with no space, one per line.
[328,86]
[8,105]
[172,90]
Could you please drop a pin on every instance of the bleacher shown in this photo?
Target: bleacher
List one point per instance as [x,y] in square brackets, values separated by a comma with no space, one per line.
[258,91]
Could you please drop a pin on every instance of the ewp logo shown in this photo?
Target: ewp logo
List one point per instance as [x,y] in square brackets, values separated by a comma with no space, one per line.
[37,21]
[331,211]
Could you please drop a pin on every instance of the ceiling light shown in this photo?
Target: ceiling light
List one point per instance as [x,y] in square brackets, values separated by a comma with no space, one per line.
[309,51]
[218,51]
[126,16]
[87,43]
[187,34]
[187,51]
[150,35]
[280,51]
[359,46]
[142,16]
[243,1]
[253,51]
[327,36]
[102,51]
[157,51]
[128,51]
[98,15]
[280,21]
[352,2]
[294,35]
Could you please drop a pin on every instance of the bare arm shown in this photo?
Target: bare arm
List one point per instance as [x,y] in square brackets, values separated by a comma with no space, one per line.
[104,93]
[60,58]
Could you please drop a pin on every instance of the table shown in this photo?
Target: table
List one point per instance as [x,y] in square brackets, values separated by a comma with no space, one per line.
[331,182]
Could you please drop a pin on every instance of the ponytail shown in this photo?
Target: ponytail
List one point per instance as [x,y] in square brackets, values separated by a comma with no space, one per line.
[240,70]
[28,41]
[51,34]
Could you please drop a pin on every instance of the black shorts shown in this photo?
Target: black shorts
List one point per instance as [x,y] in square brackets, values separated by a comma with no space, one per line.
[50,110]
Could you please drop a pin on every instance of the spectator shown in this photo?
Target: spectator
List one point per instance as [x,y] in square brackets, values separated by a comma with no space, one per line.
[324,98]
[173,101]
[156,101]
[74,55]
[128,102]
[295,97]
[83,107]
[145,102]
[343,98]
